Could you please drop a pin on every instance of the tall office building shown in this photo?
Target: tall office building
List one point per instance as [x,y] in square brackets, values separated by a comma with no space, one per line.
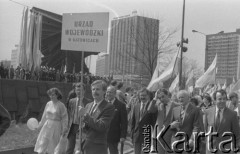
[102,65]
[133,46]
[227,47]
[15,57]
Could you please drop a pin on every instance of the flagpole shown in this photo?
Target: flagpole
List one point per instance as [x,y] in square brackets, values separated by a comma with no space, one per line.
[215,80]
[80,123]
[79,151]
[180,68]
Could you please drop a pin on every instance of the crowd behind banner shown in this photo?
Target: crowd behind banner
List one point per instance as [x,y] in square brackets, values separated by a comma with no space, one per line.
[144,110]
[47,74]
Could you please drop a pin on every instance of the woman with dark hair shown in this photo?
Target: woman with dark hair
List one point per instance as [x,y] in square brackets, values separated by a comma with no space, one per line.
[53,124]
[207,101]
[194,101]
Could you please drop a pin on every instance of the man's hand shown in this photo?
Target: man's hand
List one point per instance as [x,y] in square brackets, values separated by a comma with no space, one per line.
[191,143]
[122,139]
[175,124]
[86,118]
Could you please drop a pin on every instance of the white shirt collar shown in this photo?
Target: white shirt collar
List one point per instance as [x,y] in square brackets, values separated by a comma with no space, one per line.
[112,101]
[218,109]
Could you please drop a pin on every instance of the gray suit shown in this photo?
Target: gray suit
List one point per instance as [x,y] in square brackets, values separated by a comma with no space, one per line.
[162,121]
[229,123]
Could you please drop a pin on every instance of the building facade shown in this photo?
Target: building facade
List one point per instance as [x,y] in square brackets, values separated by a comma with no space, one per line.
[133,46]
[102,65]
[15,57]
[227,47]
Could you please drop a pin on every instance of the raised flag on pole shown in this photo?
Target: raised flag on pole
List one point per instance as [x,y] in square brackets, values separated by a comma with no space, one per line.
[224,87]
[236,86]
[167,73]
[232,84]
[209,76]
[219,86]
[174,85]
[190,80]
[23,40]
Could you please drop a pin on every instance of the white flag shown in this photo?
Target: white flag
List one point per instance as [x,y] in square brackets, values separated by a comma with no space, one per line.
[174,84]
[209,76]
[190,80]
[167,73]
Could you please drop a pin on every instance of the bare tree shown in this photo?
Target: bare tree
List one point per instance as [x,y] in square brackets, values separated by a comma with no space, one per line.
[153,44]
[191,64]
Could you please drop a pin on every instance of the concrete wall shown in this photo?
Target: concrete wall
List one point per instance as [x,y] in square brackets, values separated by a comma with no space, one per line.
[19,95]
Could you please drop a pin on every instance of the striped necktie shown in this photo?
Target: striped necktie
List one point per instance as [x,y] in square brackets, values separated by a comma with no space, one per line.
[182,113]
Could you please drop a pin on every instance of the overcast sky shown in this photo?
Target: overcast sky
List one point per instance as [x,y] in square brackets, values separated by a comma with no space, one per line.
[207,16]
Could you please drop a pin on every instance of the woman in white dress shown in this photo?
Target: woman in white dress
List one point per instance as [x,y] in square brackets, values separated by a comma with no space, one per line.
[53,124]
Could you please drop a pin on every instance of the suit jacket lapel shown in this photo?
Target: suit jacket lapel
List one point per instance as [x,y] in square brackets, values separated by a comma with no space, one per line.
[73,107]
[224,114]
[187,113]
[169,112]
[89,107]
[138,107]
[99,109]
[145,111]
[213,116]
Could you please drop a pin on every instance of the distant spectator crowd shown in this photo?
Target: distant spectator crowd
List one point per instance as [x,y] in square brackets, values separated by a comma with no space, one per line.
[47,74]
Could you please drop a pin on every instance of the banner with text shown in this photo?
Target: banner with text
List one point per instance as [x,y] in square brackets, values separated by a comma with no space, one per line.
[85,32]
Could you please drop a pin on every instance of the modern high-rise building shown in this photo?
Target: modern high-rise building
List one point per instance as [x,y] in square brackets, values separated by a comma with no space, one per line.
[227,47]
[15,57]
[133,46]
[102,65]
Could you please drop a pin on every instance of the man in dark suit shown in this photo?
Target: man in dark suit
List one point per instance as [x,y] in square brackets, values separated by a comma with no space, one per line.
[97,120]
[221,119]
[141,119]
[74,115]
[163,109]
[185,118]
[233,104]
[118,127]
[5,120]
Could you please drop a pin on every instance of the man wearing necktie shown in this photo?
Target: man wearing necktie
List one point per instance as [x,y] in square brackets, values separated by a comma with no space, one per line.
[73,116]
[233,104]
[118,127]
[221,119]
[162,105]
[185,118]
[140,119]
[97,120]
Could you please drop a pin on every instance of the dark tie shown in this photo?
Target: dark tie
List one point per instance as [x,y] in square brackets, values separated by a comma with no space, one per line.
[93,108]
[142,109]
[164,110]
[218,119]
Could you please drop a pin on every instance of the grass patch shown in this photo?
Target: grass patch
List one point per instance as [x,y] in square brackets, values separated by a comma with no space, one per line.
[18,136]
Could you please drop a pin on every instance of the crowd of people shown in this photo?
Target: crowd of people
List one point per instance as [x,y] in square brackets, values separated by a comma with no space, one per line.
[47,74]
[157,122]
